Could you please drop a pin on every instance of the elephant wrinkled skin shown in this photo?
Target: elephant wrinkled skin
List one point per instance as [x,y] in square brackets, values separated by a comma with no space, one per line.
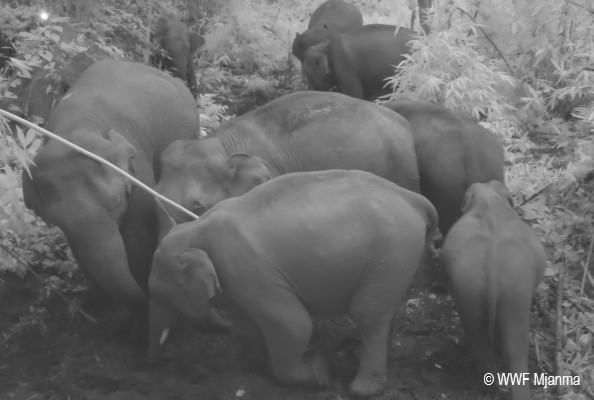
[180,46]
[358,62]
[315,243]
[126,113]
[494,262]
[331,18]
[303,131]
[452,152]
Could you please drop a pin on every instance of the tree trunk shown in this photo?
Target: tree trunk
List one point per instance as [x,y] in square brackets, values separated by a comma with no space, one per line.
[148,30]
[424,6]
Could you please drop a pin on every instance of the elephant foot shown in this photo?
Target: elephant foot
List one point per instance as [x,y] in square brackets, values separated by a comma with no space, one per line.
[319,371]
[314,372]
[367,386]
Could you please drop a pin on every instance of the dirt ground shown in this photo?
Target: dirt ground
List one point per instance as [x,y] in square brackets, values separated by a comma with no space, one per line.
[47,352]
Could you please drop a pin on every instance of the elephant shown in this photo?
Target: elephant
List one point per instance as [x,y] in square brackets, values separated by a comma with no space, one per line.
[494,262]
[452,153]
[318,243]
[179,46]
[298,132]
[331,18]
[126,113]
[6,50]
[358,62]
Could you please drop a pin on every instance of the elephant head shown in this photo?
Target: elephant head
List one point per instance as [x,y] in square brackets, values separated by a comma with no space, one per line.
[486,192]
[316,67]
[197,179]
[87,200]
[311,37]
[181,281]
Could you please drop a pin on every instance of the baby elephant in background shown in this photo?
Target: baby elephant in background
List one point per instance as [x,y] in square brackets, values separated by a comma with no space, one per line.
[331,18]
[312,243]
[179,48]
[494,262]
[358,62]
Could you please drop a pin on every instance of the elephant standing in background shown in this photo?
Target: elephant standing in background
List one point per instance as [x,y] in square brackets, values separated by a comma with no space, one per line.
[303,131]
[494,262]
[358,62]
[126,113]
[452,152]
[315,243]
[331,18]
[179,46]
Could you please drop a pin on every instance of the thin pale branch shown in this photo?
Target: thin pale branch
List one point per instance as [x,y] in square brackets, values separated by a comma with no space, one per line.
[590,10]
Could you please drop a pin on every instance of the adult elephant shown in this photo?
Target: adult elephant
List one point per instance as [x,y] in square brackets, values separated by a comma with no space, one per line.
[314,243]
[303,131]
[331,18]
[358,62]
[126,113]
[179,47]
[453,153]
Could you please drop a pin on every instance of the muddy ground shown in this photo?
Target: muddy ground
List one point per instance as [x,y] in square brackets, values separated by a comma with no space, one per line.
[48,352]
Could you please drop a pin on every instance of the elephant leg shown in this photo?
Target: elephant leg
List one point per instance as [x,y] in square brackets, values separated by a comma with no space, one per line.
[287,327]
[139,231]
[514,340]
[372,308]
[349,83]
[99,250]
[445,194]
[473,315]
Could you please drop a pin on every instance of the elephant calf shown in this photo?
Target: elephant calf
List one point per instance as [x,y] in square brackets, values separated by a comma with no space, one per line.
[358,62]
[312,243]
[179,46]
[494,262]
[331,18]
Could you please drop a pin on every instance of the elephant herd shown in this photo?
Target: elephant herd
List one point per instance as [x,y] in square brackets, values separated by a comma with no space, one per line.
[315,204]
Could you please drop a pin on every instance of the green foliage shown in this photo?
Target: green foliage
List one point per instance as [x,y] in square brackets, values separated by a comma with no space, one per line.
[20,231]
[447,68]
[252,35]
[211,113]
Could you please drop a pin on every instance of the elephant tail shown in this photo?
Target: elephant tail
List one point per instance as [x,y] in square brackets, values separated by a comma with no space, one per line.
[431,226]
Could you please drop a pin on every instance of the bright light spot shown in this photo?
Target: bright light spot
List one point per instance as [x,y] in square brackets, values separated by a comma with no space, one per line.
[44,15]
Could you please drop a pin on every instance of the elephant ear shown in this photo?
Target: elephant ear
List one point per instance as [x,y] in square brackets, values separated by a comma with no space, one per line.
[196,41]
[246,172]
[121,153]
[502,191]
[198,271]
[112,146]
[319,60]
[468,198]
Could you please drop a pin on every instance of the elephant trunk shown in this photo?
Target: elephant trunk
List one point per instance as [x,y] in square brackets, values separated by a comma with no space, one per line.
[161,319]
[98,247]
